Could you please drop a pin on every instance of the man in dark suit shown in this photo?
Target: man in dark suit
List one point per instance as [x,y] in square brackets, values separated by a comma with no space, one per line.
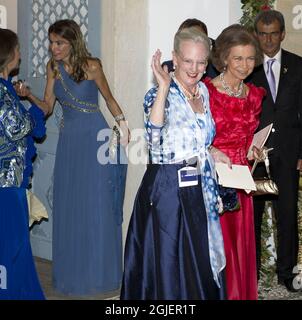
[196,23]
[281,76]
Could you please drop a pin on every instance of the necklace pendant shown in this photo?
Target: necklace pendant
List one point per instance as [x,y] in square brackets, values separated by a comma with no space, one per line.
[228,90]
[190,96]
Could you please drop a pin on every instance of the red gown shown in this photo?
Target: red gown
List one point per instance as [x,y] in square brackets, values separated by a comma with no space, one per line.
[236,120]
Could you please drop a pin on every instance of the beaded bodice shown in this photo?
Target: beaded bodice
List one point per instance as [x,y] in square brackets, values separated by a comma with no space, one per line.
[73,96]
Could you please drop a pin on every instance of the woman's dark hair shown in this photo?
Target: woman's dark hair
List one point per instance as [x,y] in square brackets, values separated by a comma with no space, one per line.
[192,22]
[234,35]
[9,42]
[70,30]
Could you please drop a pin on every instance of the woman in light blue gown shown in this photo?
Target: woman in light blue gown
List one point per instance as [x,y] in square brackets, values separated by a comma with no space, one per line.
[88,184]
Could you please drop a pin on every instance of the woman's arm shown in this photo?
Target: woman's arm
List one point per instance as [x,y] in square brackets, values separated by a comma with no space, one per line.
[220,156]
[96,73]
[163,79]
[48,102]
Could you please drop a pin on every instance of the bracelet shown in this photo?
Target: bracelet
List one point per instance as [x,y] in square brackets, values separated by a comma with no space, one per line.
[119,117]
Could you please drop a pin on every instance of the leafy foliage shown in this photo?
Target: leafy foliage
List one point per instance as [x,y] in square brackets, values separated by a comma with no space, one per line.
[251,8]
[269,240]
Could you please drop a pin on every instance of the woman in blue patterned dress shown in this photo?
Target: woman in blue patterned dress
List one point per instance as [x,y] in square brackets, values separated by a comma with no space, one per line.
[18,127]
[174,247]
[88,188]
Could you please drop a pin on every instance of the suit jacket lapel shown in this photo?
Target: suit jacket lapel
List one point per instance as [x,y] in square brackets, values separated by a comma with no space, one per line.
[283,72]
[263,78]
[264,83]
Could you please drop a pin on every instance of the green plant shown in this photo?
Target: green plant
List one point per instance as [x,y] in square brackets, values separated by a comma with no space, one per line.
[268,230]
[250,9]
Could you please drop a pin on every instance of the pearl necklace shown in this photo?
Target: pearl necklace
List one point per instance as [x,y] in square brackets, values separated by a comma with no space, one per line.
[228,90]
[190,96]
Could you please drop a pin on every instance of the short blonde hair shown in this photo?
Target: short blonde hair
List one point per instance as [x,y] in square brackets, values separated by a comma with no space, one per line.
[194,34]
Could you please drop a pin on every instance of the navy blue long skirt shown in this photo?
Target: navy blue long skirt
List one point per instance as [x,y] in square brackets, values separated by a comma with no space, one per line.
[19,280]
[167,253]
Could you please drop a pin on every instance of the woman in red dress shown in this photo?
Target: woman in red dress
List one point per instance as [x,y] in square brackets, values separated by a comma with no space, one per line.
[236,107]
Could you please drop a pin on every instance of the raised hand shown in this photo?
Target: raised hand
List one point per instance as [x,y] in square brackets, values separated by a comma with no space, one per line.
[259,154]
[22,88]
[161,74]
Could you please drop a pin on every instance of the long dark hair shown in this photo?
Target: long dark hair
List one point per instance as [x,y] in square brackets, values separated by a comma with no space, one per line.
[70,30]
[9,42]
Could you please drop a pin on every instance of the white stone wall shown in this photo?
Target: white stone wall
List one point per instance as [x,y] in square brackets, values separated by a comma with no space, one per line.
[124,52]
[292,11]
[11,8]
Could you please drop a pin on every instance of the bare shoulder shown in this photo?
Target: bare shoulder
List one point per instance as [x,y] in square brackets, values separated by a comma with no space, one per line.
[216,82]
[94,68]
[48,66]
[49,69]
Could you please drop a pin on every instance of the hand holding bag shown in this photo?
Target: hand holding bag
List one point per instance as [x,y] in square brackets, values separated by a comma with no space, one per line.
[264,185]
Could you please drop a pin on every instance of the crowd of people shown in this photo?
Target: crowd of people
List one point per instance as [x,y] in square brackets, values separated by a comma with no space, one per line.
[206,105]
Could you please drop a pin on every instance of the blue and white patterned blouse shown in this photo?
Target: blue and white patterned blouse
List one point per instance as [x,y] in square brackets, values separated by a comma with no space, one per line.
[186,134]
[18,127]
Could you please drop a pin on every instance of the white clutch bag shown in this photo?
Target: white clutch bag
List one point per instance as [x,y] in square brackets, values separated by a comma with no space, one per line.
[114,142]
[36,209]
